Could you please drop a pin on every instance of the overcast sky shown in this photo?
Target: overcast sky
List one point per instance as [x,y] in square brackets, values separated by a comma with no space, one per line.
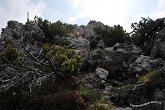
[110,12]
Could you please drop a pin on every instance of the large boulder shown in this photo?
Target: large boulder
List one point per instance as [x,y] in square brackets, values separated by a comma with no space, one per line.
[115,59]
[144,64]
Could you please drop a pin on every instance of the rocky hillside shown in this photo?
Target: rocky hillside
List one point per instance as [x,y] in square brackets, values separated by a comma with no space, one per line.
[57,66]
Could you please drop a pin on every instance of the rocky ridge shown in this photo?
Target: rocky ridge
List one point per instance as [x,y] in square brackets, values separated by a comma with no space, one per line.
[119,72]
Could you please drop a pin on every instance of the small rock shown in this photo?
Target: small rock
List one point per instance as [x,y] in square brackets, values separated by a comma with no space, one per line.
[102,73]
[107,90]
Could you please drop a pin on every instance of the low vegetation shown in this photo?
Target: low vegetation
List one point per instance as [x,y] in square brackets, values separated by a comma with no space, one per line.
[66,60]
[154,78]
[10,53]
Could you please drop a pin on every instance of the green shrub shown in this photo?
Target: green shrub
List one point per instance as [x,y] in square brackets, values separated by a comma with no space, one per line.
[153,78]
[89,95]
[10,54]
[65,59]
[102,104]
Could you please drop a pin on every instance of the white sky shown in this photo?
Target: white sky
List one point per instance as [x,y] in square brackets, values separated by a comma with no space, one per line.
[110,12]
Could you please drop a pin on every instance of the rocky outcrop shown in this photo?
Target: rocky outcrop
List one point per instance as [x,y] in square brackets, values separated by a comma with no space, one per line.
[115,59]
[89,28]
[87,31]
[28,36]
[16,30]
[33,37]
[144,64]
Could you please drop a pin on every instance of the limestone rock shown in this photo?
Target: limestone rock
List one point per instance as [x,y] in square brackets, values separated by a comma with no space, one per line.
[115,59]
[102,73]
[145,63]
[30,34]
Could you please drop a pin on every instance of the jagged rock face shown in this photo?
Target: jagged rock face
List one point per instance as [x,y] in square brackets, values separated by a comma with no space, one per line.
[144,64]
[29,34]
[159,45]
[115,59]
[11,30]
[16,30]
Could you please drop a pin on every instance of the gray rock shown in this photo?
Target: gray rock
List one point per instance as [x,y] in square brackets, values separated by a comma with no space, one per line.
[15,25]
[107,90]
[101,44]
[89,28]
[102,73]
[30,34]
[81,45]
[114,59]
[145,63]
